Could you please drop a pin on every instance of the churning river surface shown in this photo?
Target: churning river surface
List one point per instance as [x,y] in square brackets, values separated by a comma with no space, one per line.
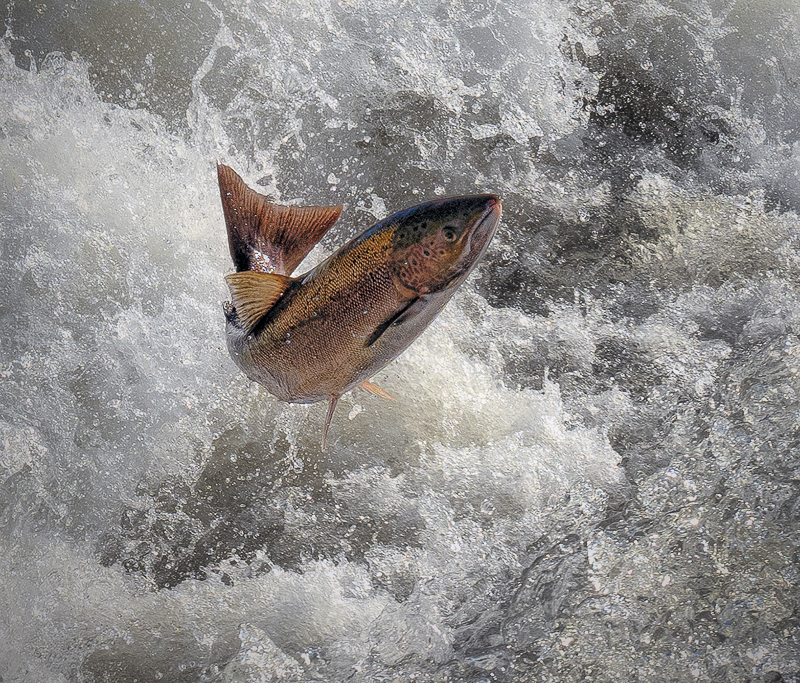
[592,468]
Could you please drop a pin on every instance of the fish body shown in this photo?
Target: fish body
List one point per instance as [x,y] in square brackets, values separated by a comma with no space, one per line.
[317,336]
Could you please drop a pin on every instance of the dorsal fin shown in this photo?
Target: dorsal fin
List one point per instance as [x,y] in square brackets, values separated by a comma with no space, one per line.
[268,237]
[253,294]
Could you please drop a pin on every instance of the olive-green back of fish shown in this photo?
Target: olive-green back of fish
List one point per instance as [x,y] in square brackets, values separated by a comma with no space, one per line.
[317,336]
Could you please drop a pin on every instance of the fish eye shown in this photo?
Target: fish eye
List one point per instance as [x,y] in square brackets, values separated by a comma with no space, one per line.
[449,234]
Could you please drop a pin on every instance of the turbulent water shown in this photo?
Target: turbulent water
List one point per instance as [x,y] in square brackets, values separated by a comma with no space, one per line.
[592,468]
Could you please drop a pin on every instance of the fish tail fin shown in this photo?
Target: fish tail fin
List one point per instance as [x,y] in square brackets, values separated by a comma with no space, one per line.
[332,401]
[269,237]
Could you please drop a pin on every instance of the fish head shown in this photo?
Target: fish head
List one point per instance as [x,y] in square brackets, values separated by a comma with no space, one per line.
[436,245]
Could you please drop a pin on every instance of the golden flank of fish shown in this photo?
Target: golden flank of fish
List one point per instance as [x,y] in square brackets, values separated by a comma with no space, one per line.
[317,336]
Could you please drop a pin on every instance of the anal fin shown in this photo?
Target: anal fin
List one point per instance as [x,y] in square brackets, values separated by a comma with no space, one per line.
[253,294]
[332,401]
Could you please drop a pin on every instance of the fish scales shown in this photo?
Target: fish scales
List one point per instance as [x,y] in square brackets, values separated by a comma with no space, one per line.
[317,331]
[317,336]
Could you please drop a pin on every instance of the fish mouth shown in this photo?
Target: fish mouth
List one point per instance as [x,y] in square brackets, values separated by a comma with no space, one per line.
[486,225]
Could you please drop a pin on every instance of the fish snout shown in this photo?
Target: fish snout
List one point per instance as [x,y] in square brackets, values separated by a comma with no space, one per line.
[475,240]
[487,223]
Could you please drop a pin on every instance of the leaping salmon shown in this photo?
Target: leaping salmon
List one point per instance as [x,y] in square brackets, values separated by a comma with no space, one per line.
[317,336]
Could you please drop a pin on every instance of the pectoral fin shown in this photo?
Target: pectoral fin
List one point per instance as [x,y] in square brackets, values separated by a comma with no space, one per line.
[268,237]
[253,294]
[409,311]
[375,389]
